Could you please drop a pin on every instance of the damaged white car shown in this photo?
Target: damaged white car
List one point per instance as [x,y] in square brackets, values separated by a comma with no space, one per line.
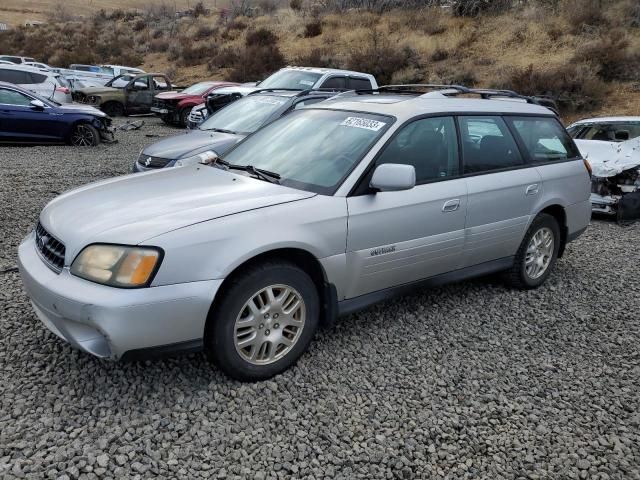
[612,147]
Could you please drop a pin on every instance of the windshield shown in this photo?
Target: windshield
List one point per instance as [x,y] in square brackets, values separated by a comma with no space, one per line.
[312,149]
[107,70]
[120,82]
[245,115]
[198,88]
[291,79]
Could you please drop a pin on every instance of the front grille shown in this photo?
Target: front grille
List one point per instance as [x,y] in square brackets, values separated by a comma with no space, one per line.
[170,106]
[152,162]
[51,250]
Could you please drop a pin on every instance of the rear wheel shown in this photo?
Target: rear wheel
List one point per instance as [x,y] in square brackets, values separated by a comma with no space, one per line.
[113,109]
[84,135]
[537,254]
[264,321]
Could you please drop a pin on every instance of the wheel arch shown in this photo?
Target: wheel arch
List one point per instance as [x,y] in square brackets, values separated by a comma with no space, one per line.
[304,260]
[94,122]
[558,212]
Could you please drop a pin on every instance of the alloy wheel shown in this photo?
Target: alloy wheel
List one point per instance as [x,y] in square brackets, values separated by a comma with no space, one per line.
[82,136]
[539,253]
[269,324]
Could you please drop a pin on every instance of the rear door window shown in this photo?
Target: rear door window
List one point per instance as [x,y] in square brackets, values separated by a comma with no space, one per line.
[487,145]
[37,78]
[335,82]
[544,139]
[358,83]
[15,76]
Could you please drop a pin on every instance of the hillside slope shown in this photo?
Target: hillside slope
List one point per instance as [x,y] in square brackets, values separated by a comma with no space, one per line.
[586,57]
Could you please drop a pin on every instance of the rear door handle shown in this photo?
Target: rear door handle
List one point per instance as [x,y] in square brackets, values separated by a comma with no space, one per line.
[451,205]
[532,189]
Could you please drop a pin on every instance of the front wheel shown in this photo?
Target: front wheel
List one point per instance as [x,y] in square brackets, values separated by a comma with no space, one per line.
[537,254]
[84,135]
[184,116]
[264,321]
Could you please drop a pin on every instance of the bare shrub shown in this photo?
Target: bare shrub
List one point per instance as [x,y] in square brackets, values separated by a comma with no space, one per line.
[268,7]
[574,86]
[313,28]
[261,37]
[295,5]
[256,62]
[205,32]
[380,58]
[158,45]
[191,54]
[611,56]
[139,25]
[318,57]
[199,9]
[473,8]
[439,54]
[584,15]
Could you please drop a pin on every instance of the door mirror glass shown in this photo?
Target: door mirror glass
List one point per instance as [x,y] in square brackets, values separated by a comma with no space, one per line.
[393,177]
[37,104]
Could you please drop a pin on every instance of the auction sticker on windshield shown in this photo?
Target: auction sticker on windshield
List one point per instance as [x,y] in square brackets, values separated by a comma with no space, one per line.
[269,100]
[366,123]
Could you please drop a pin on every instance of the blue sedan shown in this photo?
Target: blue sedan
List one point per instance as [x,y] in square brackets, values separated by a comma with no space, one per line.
[28,118]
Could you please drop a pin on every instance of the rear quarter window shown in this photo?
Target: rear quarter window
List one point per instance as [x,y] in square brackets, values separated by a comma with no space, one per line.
[359,84]
[544,139]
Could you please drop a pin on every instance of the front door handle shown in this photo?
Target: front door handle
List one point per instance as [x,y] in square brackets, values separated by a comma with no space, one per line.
[532,189]
[451,205]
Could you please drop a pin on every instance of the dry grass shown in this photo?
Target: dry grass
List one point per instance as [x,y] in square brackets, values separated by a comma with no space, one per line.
[424,45]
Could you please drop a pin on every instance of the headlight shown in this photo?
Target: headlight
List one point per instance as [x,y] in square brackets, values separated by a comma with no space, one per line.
[117,266]
[205,158]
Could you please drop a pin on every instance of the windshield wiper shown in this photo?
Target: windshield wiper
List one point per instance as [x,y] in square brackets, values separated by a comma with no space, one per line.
[266,175]
[220,130]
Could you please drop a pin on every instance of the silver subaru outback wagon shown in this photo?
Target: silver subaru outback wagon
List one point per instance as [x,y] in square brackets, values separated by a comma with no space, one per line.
[323,212]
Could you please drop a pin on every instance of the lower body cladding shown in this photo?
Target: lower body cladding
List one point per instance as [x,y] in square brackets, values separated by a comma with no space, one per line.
[116,323]
[618,195]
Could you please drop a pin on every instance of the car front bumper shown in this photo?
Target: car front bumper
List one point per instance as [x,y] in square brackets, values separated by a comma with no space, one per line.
[110,322]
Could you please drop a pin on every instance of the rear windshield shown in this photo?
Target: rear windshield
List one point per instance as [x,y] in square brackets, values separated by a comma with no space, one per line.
[291,79]
[198,88]
[245,115]
[312,149]
[608,132]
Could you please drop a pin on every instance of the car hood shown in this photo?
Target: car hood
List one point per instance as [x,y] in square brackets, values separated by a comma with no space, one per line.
[192,143]
[98,90]
[175,96]
[79,108]
[609,159]
[135,208]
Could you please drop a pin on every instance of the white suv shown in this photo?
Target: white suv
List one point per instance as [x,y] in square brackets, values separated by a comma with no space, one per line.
[49,85]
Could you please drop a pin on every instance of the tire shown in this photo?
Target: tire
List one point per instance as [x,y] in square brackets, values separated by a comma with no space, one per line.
[84,135]
[113,109]
[165,119]
[542,260]
[184,116]
[251,346]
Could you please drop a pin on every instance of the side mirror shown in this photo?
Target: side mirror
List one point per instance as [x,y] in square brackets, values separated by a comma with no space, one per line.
[393,177]
[37,105]
[258,82]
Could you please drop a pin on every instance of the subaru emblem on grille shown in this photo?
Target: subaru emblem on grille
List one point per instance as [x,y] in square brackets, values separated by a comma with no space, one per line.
[147,162]
[42,241]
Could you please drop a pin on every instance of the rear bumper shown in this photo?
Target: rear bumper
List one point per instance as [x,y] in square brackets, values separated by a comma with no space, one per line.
[578,218]
[109,322]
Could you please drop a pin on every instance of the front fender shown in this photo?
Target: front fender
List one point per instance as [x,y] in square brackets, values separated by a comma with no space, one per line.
[214,249]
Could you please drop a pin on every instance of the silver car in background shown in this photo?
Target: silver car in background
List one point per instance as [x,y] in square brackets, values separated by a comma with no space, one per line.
[321,213]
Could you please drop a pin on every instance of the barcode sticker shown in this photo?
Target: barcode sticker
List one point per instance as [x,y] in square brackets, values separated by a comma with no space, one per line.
[366,123]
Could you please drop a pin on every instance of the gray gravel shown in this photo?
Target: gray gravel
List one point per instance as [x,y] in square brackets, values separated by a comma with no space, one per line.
[467,381]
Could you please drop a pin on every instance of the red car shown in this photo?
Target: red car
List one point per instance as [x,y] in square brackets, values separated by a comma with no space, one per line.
[174,107]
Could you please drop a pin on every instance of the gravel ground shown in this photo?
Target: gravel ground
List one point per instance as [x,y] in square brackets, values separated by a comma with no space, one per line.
[467,381]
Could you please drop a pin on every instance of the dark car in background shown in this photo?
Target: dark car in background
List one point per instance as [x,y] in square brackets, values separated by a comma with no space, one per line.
[174,107]
[225,128]
[28,118]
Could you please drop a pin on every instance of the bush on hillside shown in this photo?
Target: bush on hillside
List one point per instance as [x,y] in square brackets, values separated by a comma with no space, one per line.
[584,15]
[382,59]
[611,56]
[574,86]
[313,28]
